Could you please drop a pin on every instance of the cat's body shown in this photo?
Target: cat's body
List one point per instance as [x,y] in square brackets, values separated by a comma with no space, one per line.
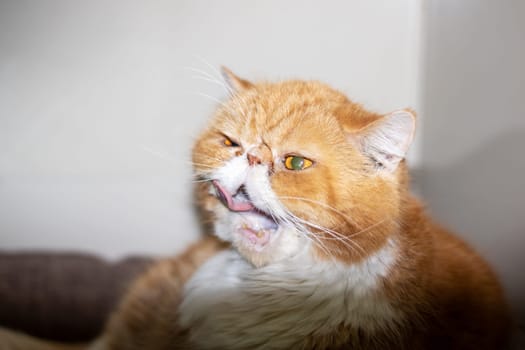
[325,247]
[436,294]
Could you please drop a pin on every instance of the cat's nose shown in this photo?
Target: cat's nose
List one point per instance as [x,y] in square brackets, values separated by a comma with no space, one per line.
[260,155]
[253,160]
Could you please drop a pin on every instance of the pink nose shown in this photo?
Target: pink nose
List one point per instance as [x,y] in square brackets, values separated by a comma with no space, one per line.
[253,160]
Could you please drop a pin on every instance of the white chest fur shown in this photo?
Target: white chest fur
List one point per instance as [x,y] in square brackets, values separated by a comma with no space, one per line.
[230,304]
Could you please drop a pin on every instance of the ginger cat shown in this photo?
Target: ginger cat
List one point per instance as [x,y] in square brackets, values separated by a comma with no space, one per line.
[318,243]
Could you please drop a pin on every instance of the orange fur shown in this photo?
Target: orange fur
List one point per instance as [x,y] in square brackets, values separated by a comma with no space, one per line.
[448,295]
[147,315]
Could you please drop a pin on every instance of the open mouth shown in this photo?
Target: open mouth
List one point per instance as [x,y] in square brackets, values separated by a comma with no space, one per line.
[257,226]
[237,203]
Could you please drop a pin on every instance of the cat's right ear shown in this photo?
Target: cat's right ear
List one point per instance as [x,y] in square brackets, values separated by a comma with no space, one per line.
[387,139]
[235,83]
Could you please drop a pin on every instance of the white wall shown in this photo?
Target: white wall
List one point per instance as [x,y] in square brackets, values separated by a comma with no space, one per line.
[98,109]
[474,130]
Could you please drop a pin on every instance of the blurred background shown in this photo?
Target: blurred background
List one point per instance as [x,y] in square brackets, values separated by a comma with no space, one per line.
[100,102]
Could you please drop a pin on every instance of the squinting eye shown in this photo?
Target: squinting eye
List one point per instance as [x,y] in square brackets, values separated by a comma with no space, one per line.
[297,163]
[229,143]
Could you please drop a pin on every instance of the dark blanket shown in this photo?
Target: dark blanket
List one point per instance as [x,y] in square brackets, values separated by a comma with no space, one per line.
[65,297]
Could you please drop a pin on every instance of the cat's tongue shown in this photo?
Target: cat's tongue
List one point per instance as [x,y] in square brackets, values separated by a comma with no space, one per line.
[227,199]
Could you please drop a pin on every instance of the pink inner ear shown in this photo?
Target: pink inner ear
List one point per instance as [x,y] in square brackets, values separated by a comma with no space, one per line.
[227,199]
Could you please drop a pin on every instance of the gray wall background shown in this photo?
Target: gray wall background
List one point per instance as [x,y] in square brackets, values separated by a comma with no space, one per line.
[472,173]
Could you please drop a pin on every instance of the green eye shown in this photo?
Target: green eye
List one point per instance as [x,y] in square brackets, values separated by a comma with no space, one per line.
[297,163]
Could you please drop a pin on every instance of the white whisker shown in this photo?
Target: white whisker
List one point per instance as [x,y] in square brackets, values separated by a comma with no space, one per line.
[211,66]
[366,228]
[160,154]
[201,165]
[200,71]
[350,244]
[308,200]
[292,221]
[214,81]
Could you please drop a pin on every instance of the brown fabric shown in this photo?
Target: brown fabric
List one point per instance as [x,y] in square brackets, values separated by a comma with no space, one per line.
[62,296]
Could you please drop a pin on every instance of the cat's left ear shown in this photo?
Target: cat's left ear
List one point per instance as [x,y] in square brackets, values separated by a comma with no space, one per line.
[235,83]
[386,140]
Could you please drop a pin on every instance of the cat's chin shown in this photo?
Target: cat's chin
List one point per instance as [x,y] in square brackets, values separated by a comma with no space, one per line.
[257,229]
[257,236]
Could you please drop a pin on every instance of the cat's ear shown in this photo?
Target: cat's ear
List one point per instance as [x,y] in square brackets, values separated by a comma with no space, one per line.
[235,83]
[386,140]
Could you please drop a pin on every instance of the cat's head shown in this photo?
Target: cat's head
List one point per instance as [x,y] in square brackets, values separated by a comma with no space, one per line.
[295,167]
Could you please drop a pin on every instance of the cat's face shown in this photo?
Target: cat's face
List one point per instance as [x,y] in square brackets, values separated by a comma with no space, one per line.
[295,166]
